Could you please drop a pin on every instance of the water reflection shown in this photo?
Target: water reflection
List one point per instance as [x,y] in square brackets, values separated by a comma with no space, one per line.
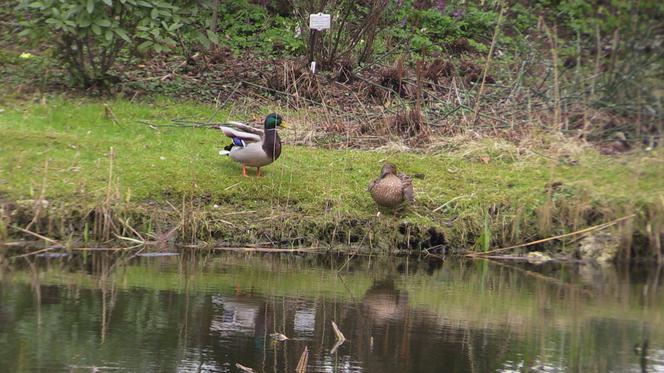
[383,302]
[209,313]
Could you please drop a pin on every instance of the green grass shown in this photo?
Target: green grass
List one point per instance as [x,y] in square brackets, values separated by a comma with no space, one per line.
[68,141]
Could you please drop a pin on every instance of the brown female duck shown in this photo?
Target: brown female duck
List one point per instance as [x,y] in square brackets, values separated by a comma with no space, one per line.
[391,189]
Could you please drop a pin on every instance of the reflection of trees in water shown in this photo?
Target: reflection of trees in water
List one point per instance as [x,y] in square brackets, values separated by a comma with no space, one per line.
[148,330]
[386,334]
[389,336]
[383,307]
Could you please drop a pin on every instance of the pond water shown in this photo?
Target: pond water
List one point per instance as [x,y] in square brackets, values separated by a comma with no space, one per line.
[208,313]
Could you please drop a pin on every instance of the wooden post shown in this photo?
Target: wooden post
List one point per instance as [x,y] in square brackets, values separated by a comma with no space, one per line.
[317,23]
[313,34]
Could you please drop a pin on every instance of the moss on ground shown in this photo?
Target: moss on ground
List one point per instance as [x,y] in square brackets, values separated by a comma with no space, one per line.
[173,177]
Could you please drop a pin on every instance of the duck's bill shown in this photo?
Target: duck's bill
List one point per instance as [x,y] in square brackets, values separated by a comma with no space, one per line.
[283,125]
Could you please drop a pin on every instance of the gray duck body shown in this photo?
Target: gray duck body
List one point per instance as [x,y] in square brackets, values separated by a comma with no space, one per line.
[254,147]
[258,154]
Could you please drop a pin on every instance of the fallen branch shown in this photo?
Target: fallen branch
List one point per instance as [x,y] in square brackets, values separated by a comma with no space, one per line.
[586,230]
[37,252]
[35,234]
[267,249]
[18,243]
[102,249]
[140,242]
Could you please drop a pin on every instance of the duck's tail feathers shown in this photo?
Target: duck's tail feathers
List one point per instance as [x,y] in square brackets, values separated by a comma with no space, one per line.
[227,148]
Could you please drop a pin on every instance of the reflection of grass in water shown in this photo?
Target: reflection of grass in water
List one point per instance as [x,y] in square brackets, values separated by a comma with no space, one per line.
[472,292]
[559,322]
[539,319]
[222,275]
[502,295]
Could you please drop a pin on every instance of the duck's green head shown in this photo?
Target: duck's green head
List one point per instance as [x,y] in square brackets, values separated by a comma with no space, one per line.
[273,121]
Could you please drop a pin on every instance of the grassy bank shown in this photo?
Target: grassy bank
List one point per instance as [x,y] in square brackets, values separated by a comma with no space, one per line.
[73,171]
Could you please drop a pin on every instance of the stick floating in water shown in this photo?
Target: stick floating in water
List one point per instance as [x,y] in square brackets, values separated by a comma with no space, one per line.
[340,335]
[243,368]
[340,338]
[304,359]
[278,337]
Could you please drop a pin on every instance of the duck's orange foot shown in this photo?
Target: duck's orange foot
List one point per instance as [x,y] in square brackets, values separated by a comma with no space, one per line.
[258,171]
[244,171]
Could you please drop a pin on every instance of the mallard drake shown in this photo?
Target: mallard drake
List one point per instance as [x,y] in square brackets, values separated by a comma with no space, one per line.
[391,189]
[251,146]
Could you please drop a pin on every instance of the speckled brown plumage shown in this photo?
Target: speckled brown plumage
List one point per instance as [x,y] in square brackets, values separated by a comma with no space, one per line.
[391,189]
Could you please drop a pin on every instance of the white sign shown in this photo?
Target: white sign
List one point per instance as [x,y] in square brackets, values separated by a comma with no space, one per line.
[320,21]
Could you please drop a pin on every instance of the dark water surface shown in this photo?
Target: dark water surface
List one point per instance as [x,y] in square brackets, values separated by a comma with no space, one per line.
[205,314]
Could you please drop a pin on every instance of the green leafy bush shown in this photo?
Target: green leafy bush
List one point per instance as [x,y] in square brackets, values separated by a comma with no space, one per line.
[89,34]
[425,30]
[237,24]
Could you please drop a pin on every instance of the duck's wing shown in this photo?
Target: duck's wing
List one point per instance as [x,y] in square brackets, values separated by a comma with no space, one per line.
[241,135]
[245,127]
[407,187]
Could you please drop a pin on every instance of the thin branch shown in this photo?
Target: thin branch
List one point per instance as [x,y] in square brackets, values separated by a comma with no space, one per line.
[586,230]
[496,31]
